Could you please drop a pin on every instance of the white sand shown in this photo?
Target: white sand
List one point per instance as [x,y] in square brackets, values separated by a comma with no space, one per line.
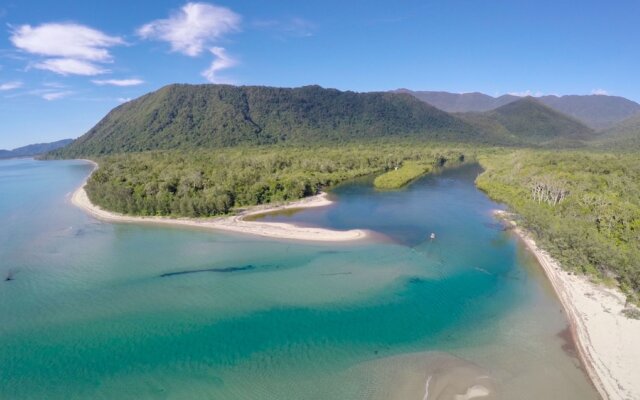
[474,392]
[236,223]
[608,342]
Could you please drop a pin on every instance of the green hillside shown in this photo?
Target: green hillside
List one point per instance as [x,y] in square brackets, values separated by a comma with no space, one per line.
[596,111]
[216,116]
[530,122]
[623,136]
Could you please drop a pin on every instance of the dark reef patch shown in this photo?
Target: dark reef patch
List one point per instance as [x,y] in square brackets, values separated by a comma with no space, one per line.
[218,270]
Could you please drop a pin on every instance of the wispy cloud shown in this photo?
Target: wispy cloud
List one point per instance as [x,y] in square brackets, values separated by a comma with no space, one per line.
[291,27]
[118,82]
[600,92]
[221,62]
[526,93]
[70,48]
[70,66]
[46,93]
[193,28]
[123,99]
[56,95]
[10,85]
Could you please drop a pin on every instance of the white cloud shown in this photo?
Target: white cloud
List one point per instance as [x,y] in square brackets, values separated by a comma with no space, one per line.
[10,85]
[56,95]
[70,66]
[221,62]
[191,29]
[600,92]
[65,40]
[526,93]
[123,99]
[70,48]
[118,82]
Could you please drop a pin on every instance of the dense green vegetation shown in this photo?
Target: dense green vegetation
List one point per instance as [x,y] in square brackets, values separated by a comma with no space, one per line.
[218,116]
[400,176]
[583,207]
[205,183]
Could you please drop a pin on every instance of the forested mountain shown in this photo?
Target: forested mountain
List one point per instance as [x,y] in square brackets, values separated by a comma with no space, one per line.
[34,149]
[625,135]
[216,116]
[596,111]
[529,121]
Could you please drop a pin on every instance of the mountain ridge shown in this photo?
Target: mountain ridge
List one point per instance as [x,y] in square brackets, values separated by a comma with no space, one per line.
[182,116]
[34,149]
[599,112]
[215,116]
[529,120]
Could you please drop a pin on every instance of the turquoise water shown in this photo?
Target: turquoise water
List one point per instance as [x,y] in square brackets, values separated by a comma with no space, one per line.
[128,311]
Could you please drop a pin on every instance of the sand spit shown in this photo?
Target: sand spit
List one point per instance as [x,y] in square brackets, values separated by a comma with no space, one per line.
[236,223]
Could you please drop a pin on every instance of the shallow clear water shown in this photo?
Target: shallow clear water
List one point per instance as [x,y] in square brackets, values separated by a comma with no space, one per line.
[99,310]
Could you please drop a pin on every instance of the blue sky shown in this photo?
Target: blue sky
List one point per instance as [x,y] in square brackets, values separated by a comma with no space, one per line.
[64,64]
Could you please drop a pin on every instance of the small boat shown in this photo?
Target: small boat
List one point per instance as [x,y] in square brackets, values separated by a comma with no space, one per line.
[432,236]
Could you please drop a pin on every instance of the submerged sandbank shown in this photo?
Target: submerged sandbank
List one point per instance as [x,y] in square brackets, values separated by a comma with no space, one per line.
[236,223]
[430,375]
[607,341]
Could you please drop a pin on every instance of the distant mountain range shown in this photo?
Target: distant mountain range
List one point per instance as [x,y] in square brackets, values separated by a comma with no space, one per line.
[599,112]
[34,149]
[216,116]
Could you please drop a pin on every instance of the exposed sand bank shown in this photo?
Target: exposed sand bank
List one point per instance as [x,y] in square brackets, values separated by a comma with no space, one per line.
[426,376]
[236,223]
[608,342]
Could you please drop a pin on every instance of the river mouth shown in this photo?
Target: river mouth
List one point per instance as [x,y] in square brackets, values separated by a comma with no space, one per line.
[132,311]
[408,216]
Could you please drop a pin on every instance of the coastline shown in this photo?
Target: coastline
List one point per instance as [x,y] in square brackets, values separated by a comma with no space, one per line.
[608,342]
[235,223]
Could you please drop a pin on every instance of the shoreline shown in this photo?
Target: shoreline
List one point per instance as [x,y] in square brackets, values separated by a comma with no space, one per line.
[235,223]
[608,343]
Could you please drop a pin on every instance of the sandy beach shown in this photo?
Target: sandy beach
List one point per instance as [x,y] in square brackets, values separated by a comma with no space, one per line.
[235,223]
[608,342]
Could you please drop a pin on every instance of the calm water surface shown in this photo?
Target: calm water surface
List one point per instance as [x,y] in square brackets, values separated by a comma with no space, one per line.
[126,311]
